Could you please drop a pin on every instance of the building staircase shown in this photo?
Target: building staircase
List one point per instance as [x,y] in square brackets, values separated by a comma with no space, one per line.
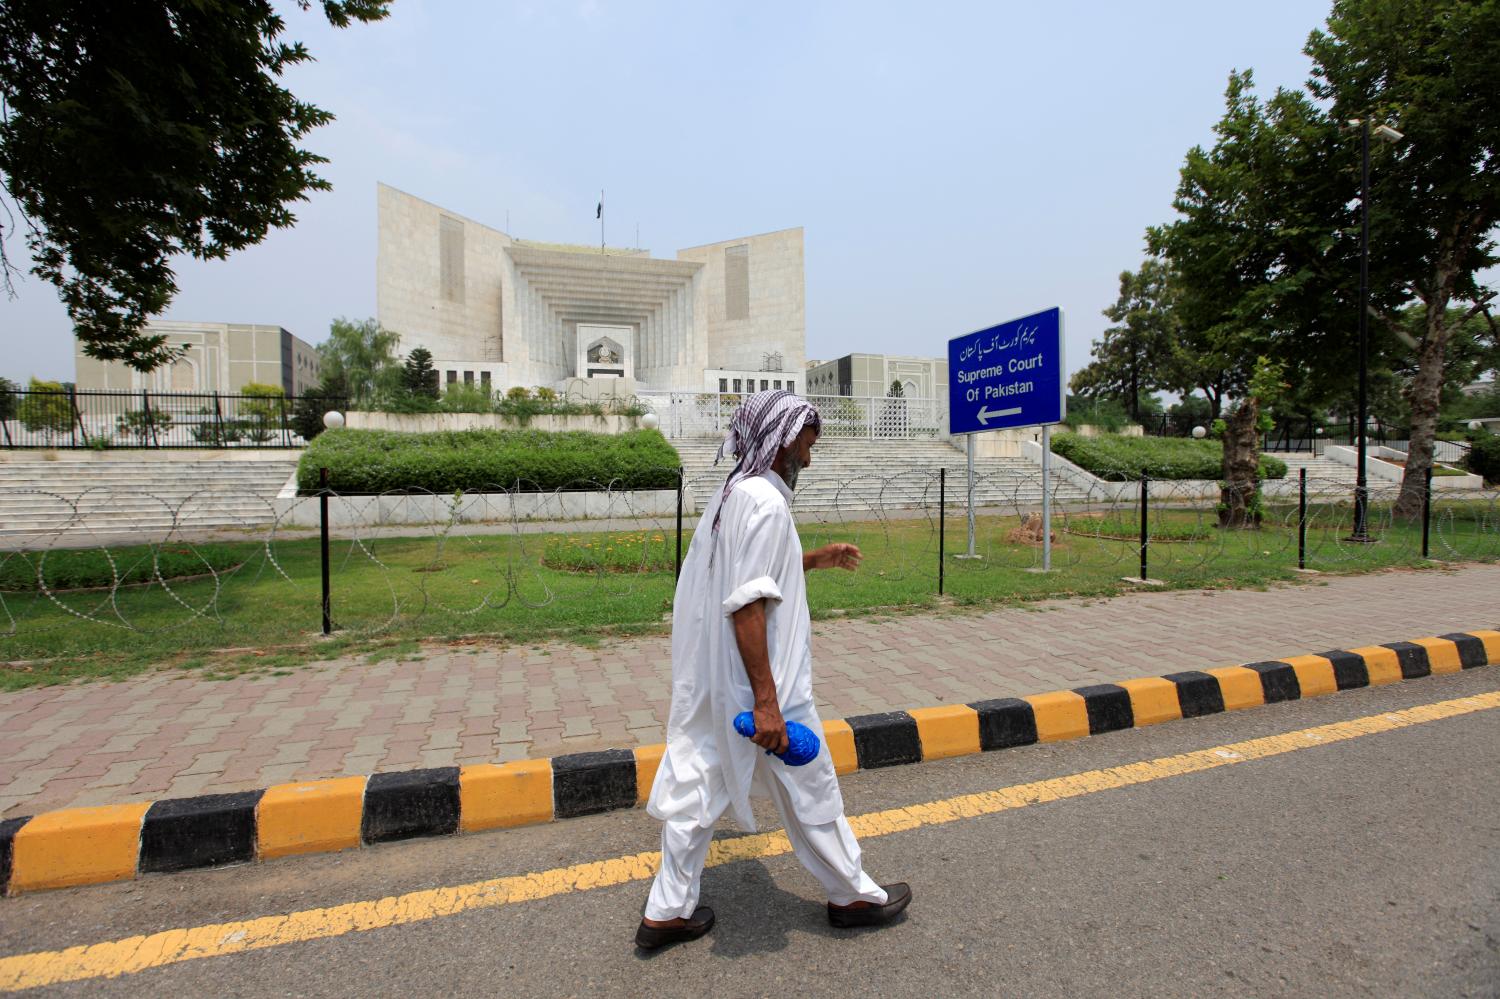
[1322,473]
[863,476]
[134,492]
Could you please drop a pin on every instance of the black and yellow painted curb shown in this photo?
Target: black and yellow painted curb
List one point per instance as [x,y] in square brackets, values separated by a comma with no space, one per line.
[80,846]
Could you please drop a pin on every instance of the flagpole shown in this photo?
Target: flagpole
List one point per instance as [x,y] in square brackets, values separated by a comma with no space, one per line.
[601,220]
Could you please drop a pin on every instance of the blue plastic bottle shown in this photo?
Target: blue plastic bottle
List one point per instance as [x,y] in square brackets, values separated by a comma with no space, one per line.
[802,744]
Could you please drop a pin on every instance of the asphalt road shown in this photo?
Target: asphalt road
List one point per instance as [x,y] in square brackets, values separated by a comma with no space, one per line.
[1365,867]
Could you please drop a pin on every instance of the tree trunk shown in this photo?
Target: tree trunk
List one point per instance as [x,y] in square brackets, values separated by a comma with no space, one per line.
[1425,395]
[1238,493]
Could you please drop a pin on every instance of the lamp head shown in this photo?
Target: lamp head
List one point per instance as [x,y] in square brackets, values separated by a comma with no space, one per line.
[333,419]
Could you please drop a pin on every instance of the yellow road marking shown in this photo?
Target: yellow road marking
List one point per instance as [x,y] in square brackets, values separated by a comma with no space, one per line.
[133,954]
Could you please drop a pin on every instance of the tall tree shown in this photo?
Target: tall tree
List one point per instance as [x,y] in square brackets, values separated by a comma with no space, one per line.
[418,376]
[134,132]
[1131,359]
[1431,69]
[1245,260]
[363,355]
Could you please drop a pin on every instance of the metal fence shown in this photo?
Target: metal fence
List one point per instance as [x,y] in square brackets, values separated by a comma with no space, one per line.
[108,420]
[492,560]
[706,414]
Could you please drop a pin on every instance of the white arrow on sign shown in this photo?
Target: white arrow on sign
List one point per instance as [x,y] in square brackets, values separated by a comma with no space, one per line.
[986,414]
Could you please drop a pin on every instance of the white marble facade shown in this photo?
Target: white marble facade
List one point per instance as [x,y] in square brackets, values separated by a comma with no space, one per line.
[499,311]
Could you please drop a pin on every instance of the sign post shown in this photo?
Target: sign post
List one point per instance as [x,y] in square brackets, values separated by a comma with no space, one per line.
[1008,376]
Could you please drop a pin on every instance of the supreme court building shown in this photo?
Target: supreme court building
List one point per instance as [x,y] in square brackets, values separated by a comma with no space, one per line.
[498,311]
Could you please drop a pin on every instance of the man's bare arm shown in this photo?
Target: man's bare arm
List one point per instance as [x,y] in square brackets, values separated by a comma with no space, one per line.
[750,636]
[838,555]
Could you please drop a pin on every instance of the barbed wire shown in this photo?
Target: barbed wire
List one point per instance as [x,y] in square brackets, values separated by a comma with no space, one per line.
[523,549]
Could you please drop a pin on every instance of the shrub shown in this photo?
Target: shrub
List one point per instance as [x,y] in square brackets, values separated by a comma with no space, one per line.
[466,397]
[1122,459]
[260,409]
[143,425]
[46,410]
[1484,457]
[377,461]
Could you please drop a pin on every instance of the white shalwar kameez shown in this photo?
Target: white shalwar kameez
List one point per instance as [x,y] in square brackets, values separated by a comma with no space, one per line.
[709,767]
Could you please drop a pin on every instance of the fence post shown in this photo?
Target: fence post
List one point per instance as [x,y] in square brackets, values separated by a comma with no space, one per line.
[218,423]
[942,524]
[1302,517]
[323,527]
[150,422]
[1426,511]
[77,416]
[286,430]
[1145,507]
[681,484]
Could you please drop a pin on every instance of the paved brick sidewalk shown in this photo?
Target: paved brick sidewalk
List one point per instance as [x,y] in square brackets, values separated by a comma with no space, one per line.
[169,735]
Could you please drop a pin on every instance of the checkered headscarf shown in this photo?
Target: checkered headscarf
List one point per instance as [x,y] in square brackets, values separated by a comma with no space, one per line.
[764,424]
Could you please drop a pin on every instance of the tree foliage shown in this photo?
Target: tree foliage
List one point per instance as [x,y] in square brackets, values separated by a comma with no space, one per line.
[1134,357]
[135,132]
[363,355]
[418,376]
[45,409]
[307,414]
[1432,69]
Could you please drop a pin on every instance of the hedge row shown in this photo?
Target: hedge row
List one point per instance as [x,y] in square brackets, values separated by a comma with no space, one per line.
[1122,459]
[379,461]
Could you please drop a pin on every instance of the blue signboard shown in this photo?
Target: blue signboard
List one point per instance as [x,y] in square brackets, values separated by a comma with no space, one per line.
[1009,375]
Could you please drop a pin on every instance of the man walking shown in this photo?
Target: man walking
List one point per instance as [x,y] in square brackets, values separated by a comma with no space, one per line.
[741,640]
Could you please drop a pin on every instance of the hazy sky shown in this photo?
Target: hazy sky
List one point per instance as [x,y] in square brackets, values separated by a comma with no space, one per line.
[954,165]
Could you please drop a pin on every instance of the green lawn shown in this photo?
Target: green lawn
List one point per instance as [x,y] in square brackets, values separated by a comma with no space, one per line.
[263,610]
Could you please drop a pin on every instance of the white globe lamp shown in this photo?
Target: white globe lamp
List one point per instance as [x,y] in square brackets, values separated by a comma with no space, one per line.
[1199,433]
[333,419]
[1475,424]
[650,421]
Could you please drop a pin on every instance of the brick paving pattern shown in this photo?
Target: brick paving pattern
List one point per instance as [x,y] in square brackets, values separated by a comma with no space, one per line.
[170,735]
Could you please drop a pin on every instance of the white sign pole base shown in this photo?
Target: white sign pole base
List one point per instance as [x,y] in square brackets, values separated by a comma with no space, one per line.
[969,441]
[1046,501]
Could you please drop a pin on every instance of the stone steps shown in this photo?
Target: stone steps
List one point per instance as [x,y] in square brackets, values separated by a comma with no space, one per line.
[852,475]
[123,495]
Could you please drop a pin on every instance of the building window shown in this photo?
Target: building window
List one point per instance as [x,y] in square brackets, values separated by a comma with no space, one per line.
[723,384]
[737,282]
[791,385]
[765,383]
[451,259]
[484,379]
[776,383]
[737,388]
[452,377]
[468,378]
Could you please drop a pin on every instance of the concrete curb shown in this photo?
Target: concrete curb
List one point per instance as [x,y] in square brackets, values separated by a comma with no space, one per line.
[80,846]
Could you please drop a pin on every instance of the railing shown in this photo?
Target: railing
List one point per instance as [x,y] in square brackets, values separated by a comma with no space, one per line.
[110,420]
[707,414]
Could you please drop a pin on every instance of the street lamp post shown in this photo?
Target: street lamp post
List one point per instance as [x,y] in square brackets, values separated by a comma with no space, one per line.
[1361,485]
